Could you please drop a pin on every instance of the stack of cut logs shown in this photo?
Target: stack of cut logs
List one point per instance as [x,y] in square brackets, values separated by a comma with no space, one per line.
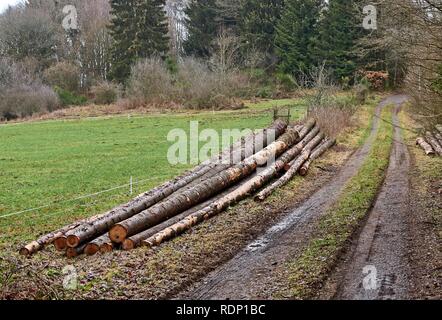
[432,143]
[260,161]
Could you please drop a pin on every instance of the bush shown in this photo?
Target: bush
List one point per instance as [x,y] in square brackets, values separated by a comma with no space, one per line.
[361,92]
[194,84]
[286,82]
[151,81]
[22,101]
[68,98]
[63,75]
[21,95]
[106,93]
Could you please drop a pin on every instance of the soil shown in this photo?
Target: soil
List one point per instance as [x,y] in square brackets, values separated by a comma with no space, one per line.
[377,267]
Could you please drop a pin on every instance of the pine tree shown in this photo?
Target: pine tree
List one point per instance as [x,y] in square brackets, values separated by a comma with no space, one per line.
[340,29]
[139,30]
[295,36]
[202,24]
[258,27]
[123,28]
[151,35]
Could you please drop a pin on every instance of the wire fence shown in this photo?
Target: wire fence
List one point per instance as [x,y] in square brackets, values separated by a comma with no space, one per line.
[82,197]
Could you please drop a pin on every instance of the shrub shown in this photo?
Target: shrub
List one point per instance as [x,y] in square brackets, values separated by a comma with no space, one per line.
[64,75]
[106,92]
[68,98]
[21,95]
[286,82]
[23,100]
[151,81]
[361,92]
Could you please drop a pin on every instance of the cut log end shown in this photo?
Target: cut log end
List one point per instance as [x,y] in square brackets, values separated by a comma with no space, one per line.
[128,244]
[24,252]
[304,170]
[91,249]
[71,252]
[106,248]
[118,234]
[72,241]
[60,243]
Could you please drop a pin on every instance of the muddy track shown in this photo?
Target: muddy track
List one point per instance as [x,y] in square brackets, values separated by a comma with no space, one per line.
[381,248]
[243,276]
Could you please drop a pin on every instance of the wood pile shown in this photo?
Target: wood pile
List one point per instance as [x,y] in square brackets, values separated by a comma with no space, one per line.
[260,161]
[432,142]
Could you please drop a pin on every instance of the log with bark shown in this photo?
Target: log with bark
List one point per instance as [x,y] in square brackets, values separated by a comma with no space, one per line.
[316,153]
[244,190]
[295,165]
[51,237]
[438,137]
[300,146]
[86,232]
[94,246]
[136,240]
[425,146]
[434,143]
[177,204]
[74,252]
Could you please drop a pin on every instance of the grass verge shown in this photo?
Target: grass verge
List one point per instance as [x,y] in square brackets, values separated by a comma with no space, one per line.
[336,227]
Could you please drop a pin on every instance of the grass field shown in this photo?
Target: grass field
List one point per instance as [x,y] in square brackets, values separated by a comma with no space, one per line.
[50,162]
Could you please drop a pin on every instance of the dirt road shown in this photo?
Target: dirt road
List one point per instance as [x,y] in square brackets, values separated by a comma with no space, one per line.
[381,248]
[246,275]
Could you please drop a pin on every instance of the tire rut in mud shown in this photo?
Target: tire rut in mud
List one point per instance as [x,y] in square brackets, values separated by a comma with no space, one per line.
[377,265]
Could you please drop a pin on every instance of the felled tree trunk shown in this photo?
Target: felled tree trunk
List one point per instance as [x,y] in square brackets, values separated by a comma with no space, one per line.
[89,231]
[425,146]
[177,204]
[295,165]
[74,252]
[239,193]
[319,151]
[434,143]
[94,246]
[303,144]
[49,238]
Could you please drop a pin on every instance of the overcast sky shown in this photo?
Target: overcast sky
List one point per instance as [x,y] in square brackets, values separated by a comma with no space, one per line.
[5,3]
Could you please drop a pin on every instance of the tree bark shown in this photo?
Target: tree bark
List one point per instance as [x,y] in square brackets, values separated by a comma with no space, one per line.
[89,231]
[319,151]
[295,165]
[438,137]
[425,146]
[94,246]
[308,138]
[237,194]
[201,192]
[434,143]
[75,252]
[49,238]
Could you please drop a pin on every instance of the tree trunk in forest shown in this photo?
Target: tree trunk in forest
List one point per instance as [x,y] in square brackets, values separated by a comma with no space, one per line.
[87,232]
[434,143]
[425,146]
[201,192]
[295,165]
[319,151]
